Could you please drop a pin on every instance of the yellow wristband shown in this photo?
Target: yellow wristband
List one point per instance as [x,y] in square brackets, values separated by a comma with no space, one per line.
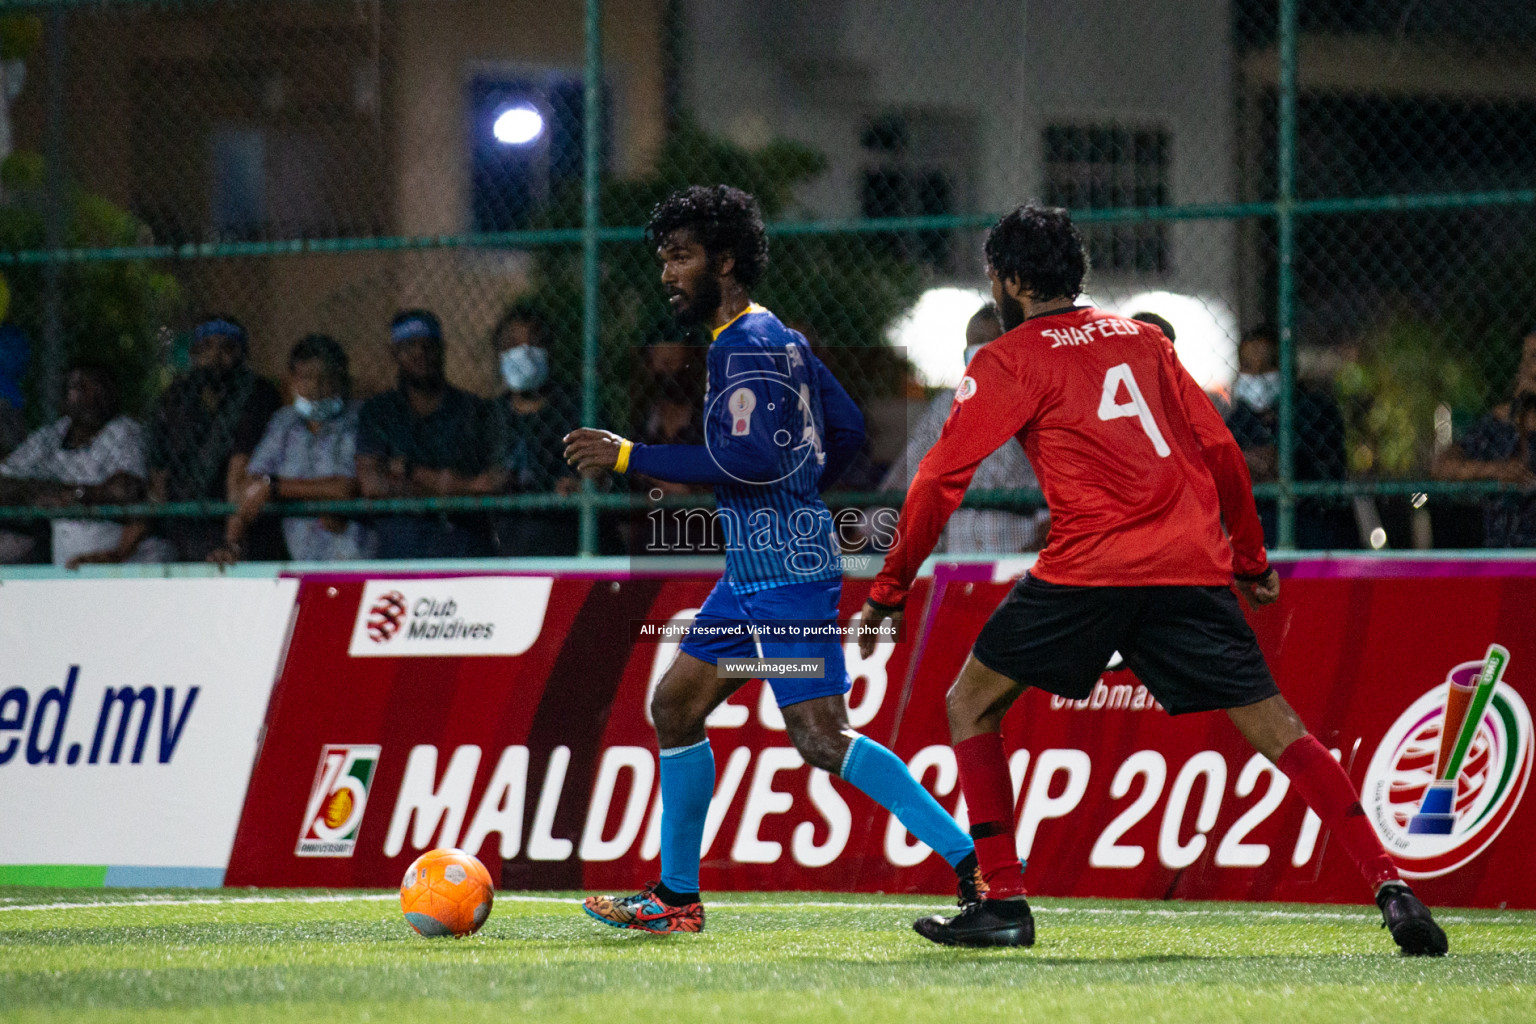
[622,464]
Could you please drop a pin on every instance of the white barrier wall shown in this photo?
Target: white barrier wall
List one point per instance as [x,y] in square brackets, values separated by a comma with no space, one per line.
[129,716]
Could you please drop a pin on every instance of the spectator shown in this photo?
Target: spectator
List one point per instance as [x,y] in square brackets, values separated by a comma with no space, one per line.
[862,473]
[1007,468]
[14,353]
[92,455]
[1160,322]
[19,542]
[308,453]
[672,413]
[1219,397]
[1502,446]
[427,438]
[534,422]
[675,387]
[1254,420]
[203,432]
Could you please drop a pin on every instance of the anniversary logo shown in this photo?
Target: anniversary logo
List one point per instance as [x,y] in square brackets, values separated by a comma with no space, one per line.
[1451,770]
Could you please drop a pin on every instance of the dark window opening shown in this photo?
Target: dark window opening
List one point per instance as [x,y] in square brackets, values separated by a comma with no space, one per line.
[1108,167]
[528,143]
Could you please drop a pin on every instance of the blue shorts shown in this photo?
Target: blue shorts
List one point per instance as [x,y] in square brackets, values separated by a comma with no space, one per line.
[794,605]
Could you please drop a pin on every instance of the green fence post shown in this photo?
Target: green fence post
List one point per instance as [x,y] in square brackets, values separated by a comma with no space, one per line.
[1285,214]
[55,216]
[592,180]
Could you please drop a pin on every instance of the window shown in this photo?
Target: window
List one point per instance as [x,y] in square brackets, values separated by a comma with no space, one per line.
[912,164]
[900,192]
[270,144]
[527,142]
[239,181]
[270,182]
[1106,167]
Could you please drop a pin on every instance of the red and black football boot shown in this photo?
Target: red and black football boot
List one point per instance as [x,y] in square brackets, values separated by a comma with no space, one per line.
[1412,926]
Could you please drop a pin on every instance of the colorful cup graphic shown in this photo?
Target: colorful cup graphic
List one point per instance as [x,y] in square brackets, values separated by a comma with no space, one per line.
[1469,690]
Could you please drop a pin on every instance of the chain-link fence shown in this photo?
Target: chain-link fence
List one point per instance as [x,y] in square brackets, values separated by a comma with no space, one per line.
[1346,188]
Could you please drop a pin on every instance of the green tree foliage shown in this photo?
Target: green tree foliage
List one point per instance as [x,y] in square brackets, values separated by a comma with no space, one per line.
[846,289]
[1464,360]
[1496,309]
[112,310]
[1406,370]
[20,35]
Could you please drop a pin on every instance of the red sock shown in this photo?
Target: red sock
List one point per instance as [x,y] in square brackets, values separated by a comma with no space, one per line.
[1325,787]
[989,798]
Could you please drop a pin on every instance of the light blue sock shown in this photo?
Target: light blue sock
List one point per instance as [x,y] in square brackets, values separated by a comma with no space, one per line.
[880,773]
[687,784]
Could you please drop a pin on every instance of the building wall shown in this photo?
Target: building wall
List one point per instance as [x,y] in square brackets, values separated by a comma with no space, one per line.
[440,47]
[991,75]
[379,89]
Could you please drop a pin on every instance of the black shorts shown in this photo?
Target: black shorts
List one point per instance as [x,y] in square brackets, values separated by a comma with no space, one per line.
[1190,646]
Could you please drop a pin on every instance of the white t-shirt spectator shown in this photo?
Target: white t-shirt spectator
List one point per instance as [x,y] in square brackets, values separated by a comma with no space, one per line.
[974,529]
[117,448]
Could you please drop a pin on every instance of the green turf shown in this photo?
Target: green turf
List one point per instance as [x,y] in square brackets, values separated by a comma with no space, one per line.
[762,958]
[73,875]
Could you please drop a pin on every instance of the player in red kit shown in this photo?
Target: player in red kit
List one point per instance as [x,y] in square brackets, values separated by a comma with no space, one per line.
[1140,473]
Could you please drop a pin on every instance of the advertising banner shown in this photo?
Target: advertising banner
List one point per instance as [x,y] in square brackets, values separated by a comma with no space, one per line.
[543,762]
[129,717]
[1117,798]
[483,616]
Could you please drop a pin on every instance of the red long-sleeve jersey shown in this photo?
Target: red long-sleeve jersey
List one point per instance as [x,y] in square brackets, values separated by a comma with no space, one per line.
[1136,465]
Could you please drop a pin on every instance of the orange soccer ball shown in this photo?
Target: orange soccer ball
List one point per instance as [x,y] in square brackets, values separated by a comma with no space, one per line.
[446,892]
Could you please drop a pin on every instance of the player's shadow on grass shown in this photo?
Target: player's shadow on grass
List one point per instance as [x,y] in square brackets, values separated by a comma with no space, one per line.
[1034,956]
[929,957]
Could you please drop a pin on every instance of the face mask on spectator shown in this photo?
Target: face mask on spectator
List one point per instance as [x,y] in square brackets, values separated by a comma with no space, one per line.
[970,352]
[1258,390]
[323,411]
[525,368]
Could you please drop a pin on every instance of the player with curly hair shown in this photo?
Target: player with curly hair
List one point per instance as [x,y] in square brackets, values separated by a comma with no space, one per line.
[778,430]
[1140,474]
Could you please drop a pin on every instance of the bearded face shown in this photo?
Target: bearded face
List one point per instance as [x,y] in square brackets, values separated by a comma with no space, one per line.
[695,299]
[1009,310]
[691,277]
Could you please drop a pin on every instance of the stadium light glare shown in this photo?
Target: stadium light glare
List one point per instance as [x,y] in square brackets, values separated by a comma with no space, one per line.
[1206,329]
[518,126]
[933,333]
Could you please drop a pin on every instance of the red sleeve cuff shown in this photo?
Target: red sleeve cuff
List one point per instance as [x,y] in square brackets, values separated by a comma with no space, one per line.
[887,595]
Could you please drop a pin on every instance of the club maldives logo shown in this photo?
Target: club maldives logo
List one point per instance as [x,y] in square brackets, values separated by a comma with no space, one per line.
[447,618]
[337,800]
[386,616]
[1449,773]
